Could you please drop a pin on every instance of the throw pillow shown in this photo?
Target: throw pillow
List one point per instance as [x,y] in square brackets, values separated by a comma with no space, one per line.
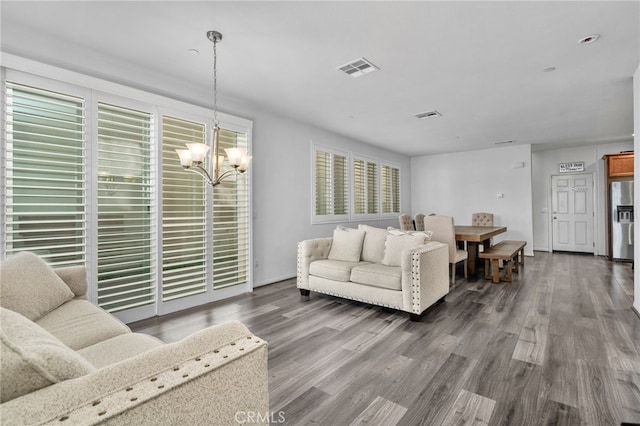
[396,244]
[373,246]
[30,287]
[346,245]
[32,358]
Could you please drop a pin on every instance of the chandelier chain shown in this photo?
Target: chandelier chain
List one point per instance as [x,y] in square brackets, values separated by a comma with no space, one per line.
[215,83]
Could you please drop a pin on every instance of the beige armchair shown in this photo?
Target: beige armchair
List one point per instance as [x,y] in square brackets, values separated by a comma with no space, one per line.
[444,232]
[419,222]
[406,222]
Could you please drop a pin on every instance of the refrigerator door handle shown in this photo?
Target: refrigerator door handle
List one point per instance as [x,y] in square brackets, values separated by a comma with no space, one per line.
[631,234]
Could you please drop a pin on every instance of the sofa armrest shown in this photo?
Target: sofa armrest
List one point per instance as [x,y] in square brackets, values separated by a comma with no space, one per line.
[76,278]
[205,378]
[308,251]
[425,276]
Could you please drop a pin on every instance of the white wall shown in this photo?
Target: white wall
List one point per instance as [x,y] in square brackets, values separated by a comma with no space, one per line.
[636,219]
[545,165]
[459,184]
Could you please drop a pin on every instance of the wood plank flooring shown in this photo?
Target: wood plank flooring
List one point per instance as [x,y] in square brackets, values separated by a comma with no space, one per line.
[558,345]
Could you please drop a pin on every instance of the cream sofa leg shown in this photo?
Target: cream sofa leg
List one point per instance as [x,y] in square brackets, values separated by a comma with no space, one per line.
[304,292]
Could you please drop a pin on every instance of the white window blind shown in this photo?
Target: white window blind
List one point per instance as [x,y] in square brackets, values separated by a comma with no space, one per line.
[126,237]
[183,214]
[231,221]
[331,190]
[365,187]
[390,189]
[45,174]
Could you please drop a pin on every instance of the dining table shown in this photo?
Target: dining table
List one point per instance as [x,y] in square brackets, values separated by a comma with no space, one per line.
[474,236]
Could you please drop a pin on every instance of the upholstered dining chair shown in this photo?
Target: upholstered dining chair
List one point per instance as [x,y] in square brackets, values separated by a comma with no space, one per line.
[444,232]
[406,222]
[482,219]
[419,222]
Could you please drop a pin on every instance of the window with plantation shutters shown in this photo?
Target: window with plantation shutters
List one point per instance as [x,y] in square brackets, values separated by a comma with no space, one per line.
[365,188]
[390,189]
[92,179]
[45,189]
[331,191]
[231,221]
[126,207]
[183,214]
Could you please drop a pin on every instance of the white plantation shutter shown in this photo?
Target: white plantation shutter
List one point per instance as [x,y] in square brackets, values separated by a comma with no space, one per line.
[126,207]
[365,187]
[331,192]
[231,221]
[45,189]
[390,189]
[183,214]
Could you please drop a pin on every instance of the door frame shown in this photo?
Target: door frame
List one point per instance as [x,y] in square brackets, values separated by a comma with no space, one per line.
[596,213]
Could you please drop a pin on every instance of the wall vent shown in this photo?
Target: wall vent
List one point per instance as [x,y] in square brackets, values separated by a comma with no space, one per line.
[504,142]
[358,68]
[428,114]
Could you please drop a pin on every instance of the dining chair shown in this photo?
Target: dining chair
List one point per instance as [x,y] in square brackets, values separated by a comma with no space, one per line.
[406,222]
[419,222]
[482,219]
[444,232]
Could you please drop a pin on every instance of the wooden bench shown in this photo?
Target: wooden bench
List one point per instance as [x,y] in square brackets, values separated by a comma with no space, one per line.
[508,251]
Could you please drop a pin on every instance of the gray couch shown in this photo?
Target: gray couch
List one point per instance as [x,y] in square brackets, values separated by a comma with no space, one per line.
[66,361]
[397,270]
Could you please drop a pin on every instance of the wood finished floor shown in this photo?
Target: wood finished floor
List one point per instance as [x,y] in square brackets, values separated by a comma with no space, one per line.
[558,345]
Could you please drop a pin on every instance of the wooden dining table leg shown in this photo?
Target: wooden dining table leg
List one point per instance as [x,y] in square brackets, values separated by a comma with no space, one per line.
[472,253]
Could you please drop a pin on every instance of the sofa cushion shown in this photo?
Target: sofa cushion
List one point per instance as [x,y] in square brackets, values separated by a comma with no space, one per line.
[396,244]
[346,245]
[30,287]
[119,348]
[378,275]
[32,358]
[373,245]
[79,324]
[336,270]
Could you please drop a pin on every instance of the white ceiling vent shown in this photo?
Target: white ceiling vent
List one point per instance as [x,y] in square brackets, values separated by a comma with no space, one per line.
[428,114]
[358,68]
[504,142]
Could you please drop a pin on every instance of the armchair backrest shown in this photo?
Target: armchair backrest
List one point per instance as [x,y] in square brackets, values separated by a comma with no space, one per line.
[419,222]
[406,222]
[443,231]
[482,219]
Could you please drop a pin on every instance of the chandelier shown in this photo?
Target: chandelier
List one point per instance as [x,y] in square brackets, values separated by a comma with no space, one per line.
[195,158]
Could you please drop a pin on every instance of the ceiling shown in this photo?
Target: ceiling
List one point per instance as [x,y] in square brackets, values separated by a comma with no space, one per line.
[480,64]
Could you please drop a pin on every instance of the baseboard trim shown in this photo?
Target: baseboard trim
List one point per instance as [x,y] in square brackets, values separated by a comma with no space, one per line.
[274,280]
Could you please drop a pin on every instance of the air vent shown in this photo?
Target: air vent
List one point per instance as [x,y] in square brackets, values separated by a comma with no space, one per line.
[504,142]
[428,114]
[358,68]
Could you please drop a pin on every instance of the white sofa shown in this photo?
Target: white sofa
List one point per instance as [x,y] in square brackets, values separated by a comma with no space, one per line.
[397,270]
[65,361]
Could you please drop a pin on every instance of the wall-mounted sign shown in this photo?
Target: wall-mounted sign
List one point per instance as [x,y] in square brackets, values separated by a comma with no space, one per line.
[576,166]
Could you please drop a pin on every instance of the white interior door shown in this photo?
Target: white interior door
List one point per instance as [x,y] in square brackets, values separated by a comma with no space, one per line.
[572,207]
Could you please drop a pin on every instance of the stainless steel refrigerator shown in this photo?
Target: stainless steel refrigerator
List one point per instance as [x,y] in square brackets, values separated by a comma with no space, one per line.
[621,193]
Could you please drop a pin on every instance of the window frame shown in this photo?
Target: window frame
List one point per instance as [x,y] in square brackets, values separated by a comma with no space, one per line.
[332,217]
[365,216]
[393,214]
